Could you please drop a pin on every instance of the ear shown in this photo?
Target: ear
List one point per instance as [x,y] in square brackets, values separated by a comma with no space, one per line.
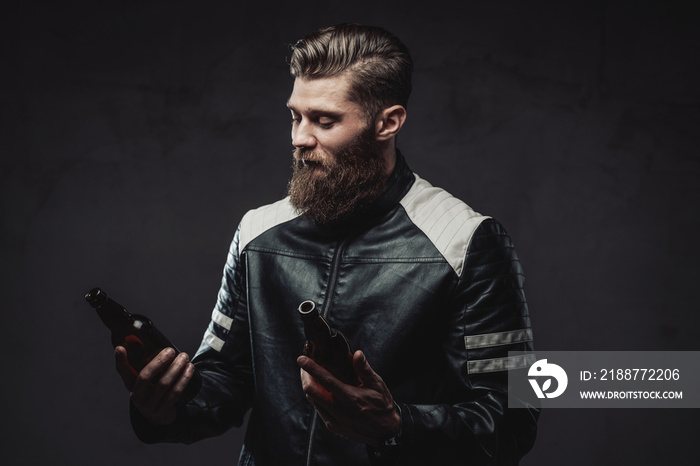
[389,121]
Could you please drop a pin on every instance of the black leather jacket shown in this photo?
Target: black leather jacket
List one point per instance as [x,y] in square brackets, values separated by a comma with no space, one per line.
[430,290]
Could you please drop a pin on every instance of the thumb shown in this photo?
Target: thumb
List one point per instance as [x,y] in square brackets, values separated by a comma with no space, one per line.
[127,373]
[364,371]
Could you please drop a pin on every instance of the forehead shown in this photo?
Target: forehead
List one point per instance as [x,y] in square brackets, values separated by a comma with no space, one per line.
[329,94]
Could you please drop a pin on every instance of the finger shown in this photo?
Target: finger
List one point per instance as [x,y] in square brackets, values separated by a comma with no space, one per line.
[174,394]
[312,388]
[319,397]
[327,417]
[333,411]
[321,375]
[125,370]
[159,402]
[336,421]
[143,387]
[364,371]
[343,427]
[171,375]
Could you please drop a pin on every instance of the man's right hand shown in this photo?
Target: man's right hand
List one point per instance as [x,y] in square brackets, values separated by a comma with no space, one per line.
[156,390]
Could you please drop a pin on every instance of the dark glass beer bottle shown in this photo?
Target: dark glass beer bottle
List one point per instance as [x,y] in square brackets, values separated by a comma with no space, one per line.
[326,346]
[142,340]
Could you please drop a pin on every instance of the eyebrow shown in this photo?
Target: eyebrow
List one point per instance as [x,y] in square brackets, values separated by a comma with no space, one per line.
[317,112]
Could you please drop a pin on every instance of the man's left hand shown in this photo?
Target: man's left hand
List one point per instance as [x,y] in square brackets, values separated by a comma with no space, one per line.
[364,414]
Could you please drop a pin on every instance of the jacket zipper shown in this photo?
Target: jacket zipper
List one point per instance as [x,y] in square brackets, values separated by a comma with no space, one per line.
[314,418]
[335,267]
[333,277]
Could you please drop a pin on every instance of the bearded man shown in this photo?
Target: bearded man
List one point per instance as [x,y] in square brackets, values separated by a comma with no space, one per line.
[428,291]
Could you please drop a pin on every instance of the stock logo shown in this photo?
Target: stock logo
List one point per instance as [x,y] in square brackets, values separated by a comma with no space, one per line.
[542,370]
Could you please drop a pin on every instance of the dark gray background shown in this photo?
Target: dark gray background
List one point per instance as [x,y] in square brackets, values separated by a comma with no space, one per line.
[135,134]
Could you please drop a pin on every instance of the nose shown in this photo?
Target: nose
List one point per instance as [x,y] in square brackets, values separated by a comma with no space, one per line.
[302,135]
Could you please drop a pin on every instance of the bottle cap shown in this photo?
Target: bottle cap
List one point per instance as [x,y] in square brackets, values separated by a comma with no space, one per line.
[307,308]
[95,297]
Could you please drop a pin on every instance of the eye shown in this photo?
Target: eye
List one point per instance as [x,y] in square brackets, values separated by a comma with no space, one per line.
[325,123]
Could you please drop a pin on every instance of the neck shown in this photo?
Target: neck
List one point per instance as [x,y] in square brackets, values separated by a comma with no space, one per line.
[388,151]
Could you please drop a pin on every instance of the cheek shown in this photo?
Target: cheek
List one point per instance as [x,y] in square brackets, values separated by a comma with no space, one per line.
[333,143]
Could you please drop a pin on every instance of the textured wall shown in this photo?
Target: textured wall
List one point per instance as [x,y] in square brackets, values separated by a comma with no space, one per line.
[135,134]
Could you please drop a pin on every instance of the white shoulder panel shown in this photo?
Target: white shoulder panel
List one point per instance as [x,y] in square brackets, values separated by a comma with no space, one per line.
[257,221]
[448,222]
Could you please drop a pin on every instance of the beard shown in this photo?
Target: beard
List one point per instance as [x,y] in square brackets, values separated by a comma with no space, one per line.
[328,191]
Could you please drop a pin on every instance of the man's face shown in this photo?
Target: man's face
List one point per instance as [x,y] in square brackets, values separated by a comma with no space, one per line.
[338,166]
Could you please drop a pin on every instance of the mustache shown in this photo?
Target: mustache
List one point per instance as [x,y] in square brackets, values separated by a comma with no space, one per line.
[302,157]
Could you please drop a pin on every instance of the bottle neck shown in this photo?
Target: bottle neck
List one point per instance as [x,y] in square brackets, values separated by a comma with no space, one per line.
[316,327]
[114,316]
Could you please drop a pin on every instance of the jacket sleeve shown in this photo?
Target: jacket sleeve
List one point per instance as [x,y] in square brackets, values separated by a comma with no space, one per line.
[224,362]
[488,318]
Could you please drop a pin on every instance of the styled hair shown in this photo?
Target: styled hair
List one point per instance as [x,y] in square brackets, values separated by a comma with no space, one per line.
[378,63]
